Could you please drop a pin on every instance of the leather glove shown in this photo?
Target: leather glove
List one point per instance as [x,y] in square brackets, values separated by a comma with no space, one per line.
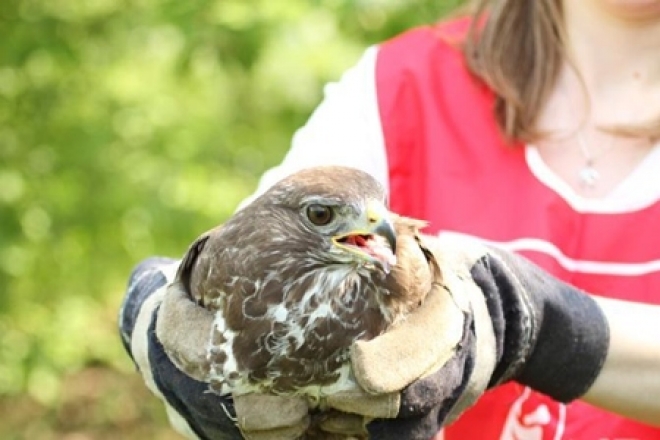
[192,411]
[511,312]
[166,335]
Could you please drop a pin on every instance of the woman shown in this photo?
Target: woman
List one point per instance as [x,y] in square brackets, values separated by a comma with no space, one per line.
[536,130]
[576,189]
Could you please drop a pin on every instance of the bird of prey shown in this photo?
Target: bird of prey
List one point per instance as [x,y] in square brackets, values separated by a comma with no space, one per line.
[298,275]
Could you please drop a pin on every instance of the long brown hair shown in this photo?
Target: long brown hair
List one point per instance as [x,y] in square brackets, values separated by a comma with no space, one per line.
[518,48]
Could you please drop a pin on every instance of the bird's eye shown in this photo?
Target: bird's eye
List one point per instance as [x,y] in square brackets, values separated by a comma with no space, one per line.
[320,215]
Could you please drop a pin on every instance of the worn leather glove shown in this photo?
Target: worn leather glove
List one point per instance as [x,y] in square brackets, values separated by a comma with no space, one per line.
[166,335]
[192,411]
[518,323]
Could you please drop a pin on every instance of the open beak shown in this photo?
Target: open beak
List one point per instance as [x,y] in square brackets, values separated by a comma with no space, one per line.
[372,236]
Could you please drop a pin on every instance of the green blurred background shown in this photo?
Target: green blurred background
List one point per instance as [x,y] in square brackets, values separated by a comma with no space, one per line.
[126,129]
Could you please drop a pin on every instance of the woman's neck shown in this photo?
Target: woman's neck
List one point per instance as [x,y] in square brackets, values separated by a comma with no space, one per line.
[615,46]
[614,56]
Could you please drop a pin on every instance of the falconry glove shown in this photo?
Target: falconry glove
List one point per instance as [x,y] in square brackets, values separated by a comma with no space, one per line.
[519,324]
[191,409]
[164,332]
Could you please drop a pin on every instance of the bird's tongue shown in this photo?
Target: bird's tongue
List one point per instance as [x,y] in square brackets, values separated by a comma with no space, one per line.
[377,247]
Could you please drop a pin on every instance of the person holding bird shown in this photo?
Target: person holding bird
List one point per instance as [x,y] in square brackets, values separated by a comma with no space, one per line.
[527,135]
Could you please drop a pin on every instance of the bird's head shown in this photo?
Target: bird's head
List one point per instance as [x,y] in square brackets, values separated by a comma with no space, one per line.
[352,232]
[336,215]
[357,232]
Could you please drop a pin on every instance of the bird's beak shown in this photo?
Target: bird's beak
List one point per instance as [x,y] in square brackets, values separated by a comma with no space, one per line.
[380,224]
[371,236]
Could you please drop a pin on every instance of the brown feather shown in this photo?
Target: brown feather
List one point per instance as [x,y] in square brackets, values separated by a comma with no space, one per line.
[415,271]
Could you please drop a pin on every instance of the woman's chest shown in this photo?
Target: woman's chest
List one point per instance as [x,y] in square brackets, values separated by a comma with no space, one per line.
[610,248]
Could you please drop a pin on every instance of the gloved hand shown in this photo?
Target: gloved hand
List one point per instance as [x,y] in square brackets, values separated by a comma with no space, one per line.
[192,411]
[172,356]
[166,334]
[519,323]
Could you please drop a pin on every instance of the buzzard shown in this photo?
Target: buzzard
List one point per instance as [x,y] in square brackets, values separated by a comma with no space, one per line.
[298,275]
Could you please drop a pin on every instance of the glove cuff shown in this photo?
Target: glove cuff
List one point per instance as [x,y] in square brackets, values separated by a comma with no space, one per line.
[552,337]
[571,345]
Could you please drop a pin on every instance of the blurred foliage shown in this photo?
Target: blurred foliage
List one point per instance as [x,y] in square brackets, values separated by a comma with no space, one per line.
[126,129]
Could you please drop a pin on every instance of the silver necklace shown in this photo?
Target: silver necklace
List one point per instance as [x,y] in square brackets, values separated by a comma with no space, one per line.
[588,174]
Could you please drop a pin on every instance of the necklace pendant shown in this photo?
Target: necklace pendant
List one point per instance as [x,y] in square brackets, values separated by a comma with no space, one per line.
[589,176]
